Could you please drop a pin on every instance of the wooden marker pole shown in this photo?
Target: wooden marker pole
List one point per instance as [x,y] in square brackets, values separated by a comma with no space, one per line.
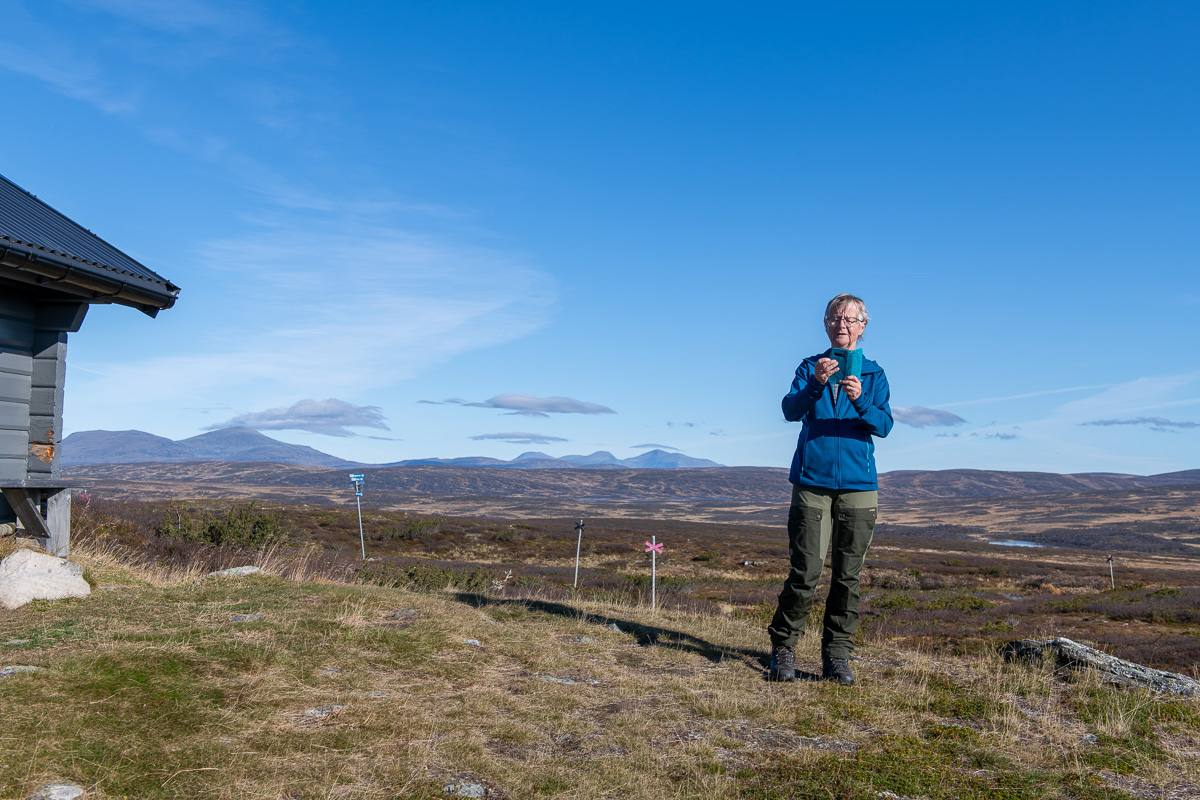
[653,548]
[1112,579]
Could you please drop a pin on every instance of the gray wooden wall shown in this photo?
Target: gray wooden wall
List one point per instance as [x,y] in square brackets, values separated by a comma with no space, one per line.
[33,363]
[17,313]
[46,398]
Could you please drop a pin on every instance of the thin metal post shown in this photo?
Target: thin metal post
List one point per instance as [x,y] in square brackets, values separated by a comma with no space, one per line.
[578,544]
[1112,579]
[361,539]
[358,479]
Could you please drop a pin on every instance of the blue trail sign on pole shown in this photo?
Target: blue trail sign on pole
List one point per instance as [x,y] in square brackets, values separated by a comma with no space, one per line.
[357,479]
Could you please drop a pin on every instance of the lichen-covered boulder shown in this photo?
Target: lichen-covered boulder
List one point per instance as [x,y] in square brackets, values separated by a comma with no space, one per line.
[1073,655]
[28,575]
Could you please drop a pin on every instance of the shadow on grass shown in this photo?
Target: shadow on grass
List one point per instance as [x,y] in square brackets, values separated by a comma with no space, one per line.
[645,635]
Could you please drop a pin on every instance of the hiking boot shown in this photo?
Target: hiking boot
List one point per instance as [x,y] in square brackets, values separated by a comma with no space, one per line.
[783,663]
[837,669]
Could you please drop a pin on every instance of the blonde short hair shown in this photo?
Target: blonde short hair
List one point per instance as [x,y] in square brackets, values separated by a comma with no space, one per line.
[839,303]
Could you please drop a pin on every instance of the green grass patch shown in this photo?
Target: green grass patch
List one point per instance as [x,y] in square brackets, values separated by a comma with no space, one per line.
[903,765]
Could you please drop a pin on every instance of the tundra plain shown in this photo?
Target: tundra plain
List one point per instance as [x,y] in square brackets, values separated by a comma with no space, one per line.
[461,658]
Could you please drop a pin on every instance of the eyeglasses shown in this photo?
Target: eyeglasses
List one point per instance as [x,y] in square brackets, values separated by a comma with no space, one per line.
[833,322]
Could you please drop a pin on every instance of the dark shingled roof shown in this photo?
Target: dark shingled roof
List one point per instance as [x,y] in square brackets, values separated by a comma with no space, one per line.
[40,246]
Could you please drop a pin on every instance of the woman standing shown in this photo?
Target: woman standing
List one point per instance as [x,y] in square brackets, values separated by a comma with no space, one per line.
[834,492]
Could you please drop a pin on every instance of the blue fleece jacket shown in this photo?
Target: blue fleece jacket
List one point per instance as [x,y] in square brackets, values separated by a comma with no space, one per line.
[835,450]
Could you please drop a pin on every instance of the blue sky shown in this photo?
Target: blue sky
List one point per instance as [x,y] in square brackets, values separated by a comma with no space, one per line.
[444,229]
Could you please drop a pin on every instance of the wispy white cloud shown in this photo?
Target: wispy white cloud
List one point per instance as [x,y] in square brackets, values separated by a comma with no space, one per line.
[110,72]
[1025,395]
[340,305]
[68,73]
[331,417]
[183,16]
[921,417]
[517,437]
[1160,424]
[652,446]
[530,406]
[1135,398]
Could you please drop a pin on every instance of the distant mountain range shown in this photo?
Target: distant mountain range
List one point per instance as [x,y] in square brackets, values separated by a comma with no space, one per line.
[229,444]
[601,459]
[599,475]
[248,445]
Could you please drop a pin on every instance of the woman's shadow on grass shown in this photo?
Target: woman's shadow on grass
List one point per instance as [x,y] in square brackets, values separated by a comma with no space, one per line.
[645,635]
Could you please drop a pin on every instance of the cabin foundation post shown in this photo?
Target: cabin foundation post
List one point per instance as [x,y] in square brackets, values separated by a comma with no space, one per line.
[51,527]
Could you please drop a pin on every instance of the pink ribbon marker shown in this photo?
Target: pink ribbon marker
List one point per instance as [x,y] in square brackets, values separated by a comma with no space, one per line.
[655,547]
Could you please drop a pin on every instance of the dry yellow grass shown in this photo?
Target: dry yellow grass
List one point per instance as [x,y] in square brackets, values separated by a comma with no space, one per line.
[150,689]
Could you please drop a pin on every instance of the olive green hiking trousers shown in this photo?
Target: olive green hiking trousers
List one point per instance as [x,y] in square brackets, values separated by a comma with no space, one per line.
[822,521]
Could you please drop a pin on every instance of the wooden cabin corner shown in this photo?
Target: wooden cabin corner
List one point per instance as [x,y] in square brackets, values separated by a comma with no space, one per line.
[52,270]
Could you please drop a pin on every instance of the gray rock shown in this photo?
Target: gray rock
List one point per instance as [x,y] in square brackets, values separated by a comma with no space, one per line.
[330,671]
[15,642]
[324,712]
[488,620]
[58,791]
[248,617]
[615,627]
[582,639]
[233,572]
[464,789]
[403,613]
[557,680]
[473,642]
[28,575]
[17,669]
[1072,655]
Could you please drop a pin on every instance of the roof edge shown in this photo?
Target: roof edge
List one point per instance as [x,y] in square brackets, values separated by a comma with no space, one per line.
[75,277]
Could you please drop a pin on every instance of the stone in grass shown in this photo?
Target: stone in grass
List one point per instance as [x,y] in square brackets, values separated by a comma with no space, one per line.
[473,642]
[403,613]
[324,712]
[58,791]
[28,575]
[15,642]
[465,789]
[17,669]
[576,639]
[233,572]
[248,617]
[557,680]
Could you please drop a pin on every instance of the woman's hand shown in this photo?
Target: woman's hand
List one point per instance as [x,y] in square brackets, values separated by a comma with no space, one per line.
[825,368]
[852,386]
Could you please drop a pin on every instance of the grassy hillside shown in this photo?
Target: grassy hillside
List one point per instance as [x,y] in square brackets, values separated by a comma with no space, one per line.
[294,685]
